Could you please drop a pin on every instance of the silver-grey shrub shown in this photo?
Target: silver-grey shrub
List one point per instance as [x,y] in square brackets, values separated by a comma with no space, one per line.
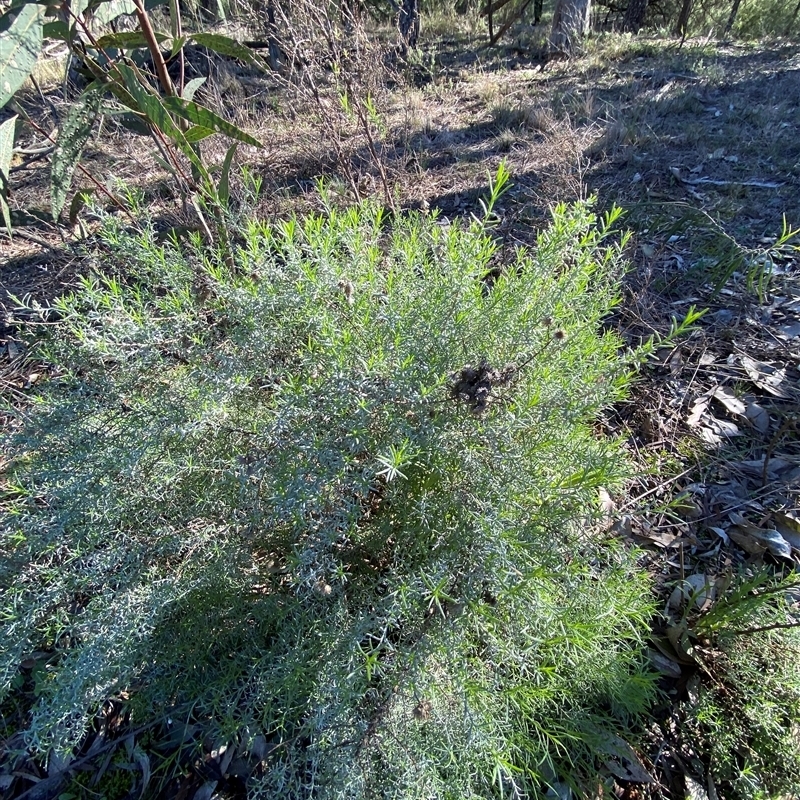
[255,500]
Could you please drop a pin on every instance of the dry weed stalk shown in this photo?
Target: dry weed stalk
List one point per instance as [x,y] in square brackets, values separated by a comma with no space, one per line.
[331,65]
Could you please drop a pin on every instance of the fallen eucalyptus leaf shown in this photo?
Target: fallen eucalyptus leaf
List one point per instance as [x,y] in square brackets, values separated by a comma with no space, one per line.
[755,467]
[730,401]
[765,376]
[758,416]
[665,665]
[747,542]
[627,765]
[789,527]
[695,790]
[696,413]
[721,533]
[760,538]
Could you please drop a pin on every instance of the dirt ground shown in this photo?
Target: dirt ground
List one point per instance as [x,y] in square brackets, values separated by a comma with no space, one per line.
[697,142]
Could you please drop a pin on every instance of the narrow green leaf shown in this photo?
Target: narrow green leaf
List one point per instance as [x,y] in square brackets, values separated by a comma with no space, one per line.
[57,29]
[78,203]
[224,188]
[199,115]
[69,145]
[197,133]
[108,11]
[135,123]
[127,40]
[6,150]
[152,107]
[77,9]
[149,104]
[226,46]
[177,45]
[20,44]
[191,87]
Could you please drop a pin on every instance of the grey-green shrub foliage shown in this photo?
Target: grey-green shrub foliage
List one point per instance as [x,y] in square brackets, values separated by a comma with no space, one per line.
[253,500]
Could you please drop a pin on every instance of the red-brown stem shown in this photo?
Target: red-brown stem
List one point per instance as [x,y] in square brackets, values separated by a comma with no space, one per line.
[155,50]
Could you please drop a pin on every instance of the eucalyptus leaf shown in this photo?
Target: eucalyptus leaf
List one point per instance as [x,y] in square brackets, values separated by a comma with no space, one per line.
[56,29]
[191,87]
[20,45]
[127,40]
[224,188]
[197,133]
[200,115]
[153,108]
[6,149]
[226,46]
[109,11]
[73,135]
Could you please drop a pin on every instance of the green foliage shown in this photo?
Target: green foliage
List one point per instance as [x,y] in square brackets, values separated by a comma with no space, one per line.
[7,129]
[743,722]
[20,44]
[74,133]
[132,87]
[337,494]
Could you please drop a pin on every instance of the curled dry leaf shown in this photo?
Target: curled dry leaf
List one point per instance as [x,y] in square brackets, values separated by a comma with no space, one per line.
[755,467]
[721,533]
[716,430]
[747,542]
[699,408]
[606,503]
[758,416]
[695,586]
[664,664]
[754,539]
[732,403]
[788,525]
[624,763]
[765,376]
[695,789]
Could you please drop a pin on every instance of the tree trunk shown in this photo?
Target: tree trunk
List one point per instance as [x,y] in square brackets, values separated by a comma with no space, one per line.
[683,18]
[570,24]
[732,17]
[272,37]
[634,16]
[537,11]
[408,24]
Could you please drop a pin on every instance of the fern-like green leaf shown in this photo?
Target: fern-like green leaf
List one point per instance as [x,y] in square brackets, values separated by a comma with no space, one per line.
[20,44]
